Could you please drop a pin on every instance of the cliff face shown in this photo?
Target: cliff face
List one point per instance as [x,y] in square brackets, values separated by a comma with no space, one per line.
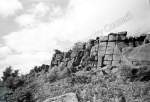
[99,52]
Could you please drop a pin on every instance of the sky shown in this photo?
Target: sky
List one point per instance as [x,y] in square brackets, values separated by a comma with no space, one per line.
[30,30]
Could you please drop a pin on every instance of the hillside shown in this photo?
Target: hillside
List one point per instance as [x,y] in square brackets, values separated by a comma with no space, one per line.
[113,68]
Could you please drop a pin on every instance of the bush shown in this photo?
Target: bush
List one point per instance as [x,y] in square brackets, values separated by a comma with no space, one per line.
[125,72]
[24,93]
[135,74]
[79,79]
[11,79]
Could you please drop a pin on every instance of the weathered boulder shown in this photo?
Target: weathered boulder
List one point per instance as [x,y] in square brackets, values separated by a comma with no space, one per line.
[89,44]
[112,37]
[104,39]
[93,49]
[140,54]
[121,45]
[59,56]
[78,58]
[100,61]
[102,46]
[84,60]
[108,57]
[107,62]
[121,36]
[111,45]
[96,47]
[116,57]
[109,51]
[54,63]
[61,66]
[142,37]
[52,74]
[69,97]
[101,53]
[74,54]
[70,64]
[131,41]
[114,70]
[138,41]
[64,73]
[147,39]
[67,54]
[116,63]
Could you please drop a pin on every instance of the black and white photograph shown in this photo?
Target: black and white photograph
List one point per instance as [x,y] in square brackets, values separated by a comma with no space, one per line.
[74,50]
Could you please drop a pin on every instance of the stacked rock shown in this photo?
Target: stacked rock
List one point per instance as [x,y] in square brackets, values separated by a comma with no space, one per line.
[110,49]
[131,41]
[59,58]
[54,62]
[94,54]
[109,52]
[102,50]
[147,39]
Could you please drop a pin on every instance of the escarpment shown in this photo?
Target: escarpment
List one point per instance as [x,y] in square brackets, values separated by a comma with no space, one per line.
[102,51]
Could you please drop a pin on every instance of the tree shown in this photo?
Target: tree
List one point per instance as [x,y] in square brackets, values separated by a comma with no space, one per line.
[7,73]
[15,73]
[11,79]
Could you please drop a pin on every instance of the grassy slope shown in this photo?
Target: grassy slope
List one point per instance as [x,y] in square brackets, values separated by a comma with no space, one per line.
[102,87]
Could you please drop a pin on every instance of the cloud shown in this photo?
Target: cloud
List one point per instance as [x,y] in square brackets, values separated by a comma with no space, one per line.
[4,51]
[1,45]
[9,7]
[33,16]
[24,62]
[82,19]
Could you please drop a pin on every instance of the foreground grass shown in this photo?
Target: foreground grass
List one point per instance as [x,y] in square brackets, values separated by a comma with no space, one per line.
[104,88]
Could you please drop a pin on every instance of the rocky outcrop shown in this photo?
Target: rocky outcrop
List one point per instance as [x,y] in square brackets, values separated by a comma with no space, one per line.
[138,55]
[70,97]
[100,56]
[109,50]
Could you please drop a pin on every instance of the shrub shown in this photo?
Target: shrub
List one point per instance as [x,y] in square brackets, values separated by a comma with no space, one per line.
[24,93]
[135,74]
[125,72]
[79,79]
[11,79]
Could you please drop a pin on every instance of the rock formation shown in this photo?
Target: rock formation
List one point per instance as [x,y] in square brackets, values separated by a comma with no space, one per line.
[109,50]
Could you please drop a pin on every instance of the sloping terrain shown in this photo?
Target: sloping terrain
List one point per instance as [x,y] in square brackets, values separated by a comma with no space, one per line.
[111,68]
[139,55]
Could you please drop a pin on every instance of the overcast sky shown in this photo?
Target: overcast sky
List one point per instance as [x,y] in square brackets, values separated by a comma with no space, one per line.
[31,29]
